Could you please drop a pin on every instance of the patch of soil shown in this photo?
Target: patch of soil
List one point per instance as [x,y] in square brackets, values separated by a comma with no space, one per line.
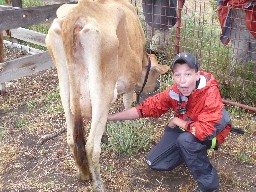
[26,115]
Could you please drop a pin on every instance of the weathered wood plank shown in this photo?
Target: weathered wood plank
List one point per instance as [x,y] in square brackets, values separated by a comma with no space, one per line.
[4,7]
[14,18]
[25,66]
[27,49]
[29,36]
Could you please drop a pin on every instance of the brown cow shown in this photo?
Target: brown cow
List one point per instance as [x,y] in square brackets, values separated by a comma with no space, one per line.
[98,50]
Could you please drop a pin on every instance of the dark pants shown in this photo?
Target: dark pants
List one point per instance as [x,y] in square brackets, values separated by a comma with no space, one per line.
[160,14]
[177,147]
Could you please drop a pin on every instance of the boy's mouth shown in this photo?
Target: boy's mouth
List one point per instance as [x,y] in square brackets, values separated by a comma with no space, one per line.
[184,90]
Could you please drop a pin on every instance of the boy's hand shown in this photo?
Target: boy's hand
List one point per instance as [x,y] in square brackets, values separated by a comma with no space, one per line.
[171,124]
[175,121]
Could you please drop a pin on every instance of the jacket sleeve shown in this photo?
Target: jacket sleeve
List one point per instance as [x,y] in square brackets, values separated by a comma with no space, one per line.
[210,120]
[156,105]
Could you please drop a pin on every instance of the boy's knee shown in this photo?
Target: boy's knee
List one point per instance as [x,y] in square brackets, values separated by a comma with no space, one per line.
[185,139]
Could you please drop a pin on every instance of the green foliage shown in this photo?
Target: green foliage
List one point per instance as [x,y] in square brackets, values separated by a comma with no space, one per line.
[128,137]
[21,123]
[53,102]
[30,104]
[55,96]
[32,3]
[1,134]
[27,3]
[242,156]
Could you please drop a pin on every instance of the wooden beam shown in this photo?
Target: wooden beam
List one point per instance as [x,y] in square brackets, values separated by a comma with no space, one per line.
[29,36]
[25,66]
[22,17]
[27,49]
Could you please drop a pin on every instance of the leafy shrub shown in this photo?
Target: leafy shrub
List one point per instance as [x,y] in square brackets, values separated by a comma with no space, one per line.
[128,137]
[1,134]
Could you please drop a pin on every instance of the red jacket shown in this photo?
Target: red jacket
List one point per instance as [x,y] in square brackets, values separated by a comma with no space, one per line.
[205,113]
[225,20]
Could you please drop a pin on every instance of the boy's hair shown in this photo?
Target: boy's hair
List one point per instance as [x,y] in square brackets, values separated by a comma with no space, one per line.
[187,58]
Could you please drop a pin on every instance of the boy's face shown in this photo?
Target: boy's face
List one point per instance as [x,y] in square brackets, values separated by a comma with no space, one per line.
[185,78]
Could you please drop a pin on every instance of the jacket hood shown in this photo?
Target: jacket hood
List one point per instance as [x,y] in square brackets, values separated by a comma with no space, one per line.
[207,80]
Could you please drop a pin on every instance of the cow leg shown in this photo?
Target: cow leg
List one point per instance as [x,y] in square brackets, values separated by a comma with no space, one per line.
[100,96]
[93,147]
[55,46]
[128,99]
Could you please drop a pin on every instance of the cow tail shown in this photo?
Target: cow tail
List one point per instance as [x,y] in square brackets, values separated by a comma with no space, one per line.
[79,146]
[68,31]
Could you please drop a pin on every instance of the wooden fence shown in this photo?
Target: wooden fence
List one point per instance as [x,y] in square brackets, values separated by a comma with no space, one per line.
[15,18]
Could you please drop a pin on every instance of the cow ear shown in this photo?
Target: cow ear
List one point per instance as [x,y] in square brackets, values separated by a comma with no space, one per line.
[161,69]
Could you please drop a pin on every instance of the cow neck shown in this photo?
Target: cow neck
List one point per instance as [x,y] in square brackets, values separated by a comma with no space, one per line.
[145,81]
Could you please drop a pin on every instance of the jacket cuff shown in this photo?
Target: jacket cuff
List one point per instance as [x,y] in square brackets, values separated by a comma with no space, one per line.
[187,126]
[139,110]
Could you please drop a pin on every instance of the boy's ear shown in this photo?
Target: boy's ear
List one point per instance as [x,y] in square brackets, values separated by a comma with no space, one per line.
[198,75]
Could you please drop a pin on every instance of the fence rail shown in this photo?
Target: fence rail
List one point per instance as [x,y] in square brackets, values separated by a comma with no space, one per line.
[23,17]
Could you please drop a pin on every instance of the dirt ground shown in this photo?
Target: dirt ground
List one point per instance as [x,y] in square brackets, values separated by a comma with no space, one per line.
[31,109]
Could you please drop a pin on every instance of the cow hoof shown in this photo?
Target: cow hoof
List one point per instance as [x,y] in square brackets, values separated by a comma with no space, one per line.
[83,177]
[99,187]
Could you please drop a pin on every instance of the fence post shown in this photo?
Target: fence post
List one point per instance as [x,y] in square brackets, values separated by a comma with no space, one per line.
[17,3]
[177,44]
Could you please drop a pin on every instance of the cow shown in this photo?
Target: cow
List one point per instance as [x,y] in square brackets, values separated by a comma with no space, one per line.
[98,48]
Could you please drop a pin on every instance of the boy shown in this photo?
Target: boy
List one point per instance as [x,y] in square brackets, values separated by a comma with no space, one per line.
[200,123]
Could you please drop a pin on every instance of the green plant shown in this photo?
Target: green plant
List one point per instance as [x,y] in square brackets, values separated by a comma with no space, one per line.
[242,156]
[31,103]
[21,123]
[55,96]
[32,3]
[128,137]
[53,102]
[45,185]
[5,107]
[1,134]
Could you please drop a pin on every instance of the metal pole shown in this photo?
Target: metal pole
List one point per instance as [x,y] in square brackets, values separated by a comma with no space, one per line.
[177,43]
[239,105]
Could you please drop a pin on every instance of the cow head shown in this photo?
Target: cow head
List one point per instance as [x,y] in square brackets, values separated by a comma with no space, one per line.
[154,72]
